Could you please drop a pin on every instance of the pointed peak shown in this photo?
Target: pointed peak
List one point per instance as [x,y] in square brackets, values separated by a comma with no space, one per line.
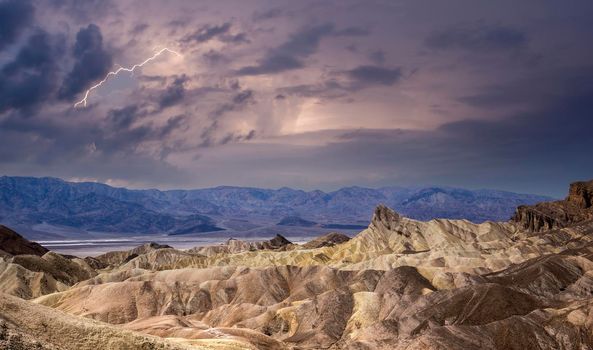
[280,240]
[385,217]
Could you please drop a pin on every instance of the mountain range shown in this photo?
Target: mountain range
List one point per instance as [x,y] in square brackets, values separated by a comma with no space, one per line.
[53,205]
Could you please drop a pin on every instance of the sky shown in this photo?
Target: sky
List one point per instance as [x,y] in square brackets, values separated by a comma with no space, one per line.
[304,94]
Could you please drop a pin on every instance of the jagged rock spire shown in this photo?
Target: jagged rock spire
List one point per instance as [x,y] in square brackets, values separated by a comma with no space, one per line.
[385,217]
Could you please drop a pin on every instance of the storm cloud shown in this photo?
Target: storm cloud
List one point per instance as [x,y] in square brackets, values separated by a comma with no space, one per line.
[221,32]
[375,75]
[31,77]
[15,16]
[310,94]
[93,61]
[290,54]
[174,93]
[477,37]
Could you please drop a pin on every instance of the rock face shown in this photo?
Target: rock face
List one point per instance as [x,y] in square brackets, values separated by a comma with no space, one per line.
[385,218]
[328,240]
[577,207]
[581,194]
[400,284]
[14,244]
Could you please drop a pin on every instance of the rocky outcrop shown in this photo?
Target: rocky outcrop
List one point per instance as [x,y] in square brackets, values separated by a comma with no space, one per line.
[233,246]
[119,257]
[277,242]
[540,217]
[581,194]
[327,240]
[29,270]
[14,244]
[67,271]
[30,276]
[577,207]
[384,218]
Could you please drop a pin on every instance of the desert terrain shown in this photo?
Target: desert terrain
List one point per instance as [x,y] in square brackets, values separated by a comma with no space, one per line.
[526,283]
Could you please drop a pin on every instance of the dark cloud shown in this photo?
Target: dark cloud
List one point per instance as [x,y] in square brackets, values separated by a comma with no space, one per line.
[123,118]
[352,48]
[353,31]
[178,23]
[268,14]
[359,78]
[477,37]
[377,57]
[31,77]
[237,102]
[102,150]
[172,124]
[124,130]
[493,98]
[375,75]
[207,32]
[272,64]
[215,57]
[15,16]
[236,137]
[305,42]
[84,11]
[327,89]
[533,91]
[139,28]
[92,62]
[115,138]
[174,93]
[548,144]
[290,55]
[221,32]
[240,38]
[242,97]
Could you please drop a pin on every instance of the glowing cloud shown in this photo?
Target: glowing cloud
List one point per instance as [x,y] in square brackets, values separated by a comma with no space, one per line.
[123,69]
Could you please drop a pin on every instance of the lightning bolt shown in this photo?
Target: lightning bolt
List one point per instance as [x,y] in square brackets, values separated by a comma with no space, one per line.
[123,69]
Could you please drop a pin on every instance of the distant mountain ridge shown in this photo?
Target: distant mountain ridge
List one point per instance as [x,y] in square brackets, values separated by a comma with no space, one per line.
[102,208]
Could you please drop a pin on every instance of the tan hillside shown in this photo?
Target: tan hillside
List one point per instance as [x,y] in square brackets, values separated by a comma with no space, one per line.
[54,329]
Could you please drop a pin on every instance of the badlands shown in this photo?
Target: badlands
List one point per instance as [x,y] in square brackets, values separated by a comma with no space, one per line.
[400,284]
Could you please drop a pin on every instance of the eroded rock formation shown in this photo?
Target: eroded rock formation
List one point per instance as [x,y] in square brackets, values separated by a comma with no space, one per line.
[577,207]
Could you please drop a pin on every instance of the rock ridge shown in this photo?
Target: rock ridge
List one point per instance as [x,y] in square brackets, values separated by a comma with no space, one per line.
[576,207]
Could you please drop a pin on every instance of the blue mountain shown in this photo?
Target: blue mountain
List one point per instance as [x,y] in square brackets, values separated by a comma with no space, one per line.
[28,201]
